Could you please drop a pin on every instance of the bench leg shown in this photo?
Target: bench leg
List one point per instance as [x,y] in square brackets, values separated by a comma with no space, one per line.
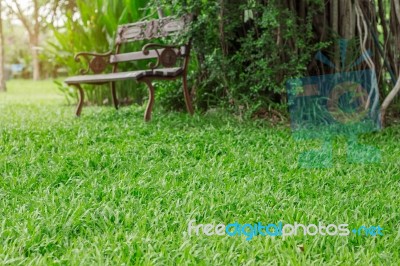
[186,93]
[114,95]
[81,99]
[147,115]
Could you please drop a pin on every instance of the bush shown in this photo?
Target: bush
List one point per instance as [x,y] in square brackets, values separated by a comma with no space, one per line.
[245,52]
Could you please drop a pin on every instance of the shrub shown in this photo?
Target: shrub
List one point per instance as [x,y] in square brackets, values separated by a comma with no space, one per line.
[244,51]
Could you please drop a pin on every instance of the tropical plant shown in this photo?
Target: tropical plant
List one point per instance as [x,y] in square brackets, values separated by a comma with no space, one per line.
[91,26]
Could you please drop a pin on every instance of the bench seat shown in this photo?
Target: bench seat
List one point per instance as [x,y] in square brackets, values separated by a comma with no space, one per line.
[103,78]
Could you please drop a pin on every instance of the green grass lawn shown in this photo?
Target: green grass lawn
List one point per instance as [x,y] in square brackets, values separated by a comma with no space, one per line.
[109,189]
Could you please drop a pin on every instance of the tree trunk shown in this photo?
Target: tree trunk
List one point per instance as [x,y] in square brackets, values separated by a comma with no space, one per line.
[395,31]
[348,19]
[335,28]
[389,100]
[35,42]
[394,56]
[35,57]
[2,74]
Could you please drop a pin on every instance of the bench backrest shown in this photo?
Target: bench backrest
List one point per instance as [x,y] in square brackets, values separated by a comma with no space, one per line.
[148,30]
[153,29]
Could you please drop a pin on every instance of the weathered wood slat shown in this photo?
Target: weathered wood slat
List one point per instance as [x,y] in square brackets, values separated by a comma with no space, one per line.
[134,75]
[118,58]
[153,29]
[126,57]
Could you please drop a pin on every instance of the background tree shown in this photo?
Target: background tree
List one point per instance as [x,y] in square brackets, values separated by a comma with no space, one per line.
[3,87]
[35,17]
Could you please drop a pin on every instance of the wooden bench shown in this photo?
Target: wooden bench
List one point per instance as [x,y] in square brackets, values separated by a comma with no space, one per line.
[171,60]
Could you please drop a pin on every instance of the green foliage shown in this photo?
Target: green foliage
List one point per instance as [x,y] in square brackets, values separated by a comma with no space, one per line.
[246,50]
[92,27]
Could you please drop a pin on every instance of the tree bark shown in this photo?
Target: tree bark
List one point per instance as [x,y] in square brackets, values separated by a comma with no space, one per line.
[347,18]
[395,31]
[335,28]
[393,55]
[3,87]
[389,100]
[34,40]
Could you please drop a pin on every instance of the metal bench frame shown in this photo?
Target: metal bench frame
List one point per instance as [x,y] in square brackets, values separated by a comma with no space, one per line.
[174,59]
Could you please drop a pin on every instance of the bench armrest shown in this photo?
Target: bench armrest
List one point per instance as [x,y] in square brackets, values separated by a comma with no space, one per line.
[169,54]
[97,62]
